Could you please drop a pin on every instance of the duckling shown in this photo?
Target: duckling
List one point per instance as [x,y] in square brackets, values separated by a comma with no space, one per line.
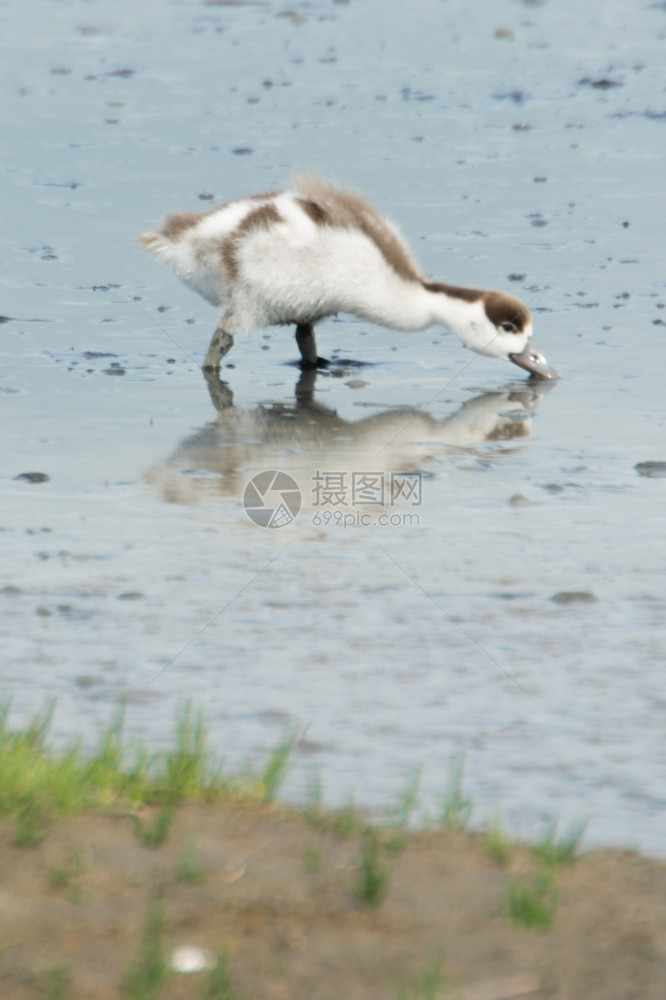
[296,256]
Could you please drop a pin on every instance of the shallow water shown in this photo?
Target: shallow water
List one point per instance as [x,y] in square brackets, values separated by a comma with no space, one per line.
[513,606]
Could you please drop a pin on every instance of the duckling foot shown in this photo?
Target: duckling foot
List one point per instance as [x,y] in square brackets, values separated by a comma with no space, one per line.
[313,365]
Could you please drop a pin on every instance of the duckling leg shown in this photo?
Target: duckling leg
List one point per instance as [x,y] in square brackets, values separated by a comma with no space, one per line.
[307,345]
[220,345]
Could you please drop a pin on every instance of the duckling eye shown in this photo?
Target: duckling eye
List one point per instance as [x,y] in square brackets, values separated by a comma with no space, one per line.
[509,327]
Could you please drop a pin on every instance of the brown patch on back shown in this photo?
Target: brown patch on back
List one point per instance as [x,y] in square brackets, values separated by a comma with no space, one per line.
[501,308]
[263,217]
[339,207]
[174,225]
[262,196]
[317,213]
[177,223]
[454,291]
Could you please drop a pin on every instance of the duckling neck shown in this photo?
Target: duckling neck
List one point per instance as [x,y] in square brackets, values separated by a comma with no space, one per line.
[417,305]
[454,307]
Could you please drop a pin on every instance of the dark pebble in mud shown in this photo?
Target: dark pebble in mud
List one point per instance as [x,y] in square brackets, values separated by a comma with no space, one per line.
[654,470]
[115,369]
[602,84]
[242,151]
[573,597]
[33,477]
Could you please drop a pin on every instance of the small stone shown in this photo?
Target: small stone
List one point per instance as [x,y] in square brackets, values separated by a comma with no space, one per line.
[33,477]
[573,597]
[518,500]
[604,83]
[653,470]
[189,958]
[356,383]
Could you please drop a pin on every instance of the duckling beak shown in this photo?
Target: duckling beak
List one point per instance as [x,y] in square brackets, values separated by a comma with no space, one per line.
[534,363]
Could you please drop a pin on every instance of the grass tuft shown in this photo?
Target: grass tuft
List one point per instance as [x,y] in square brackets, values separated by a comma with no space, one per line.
[345,822]
[407,803]
[456,809]
[497,843]
[56,984]
[218,984]
[551,852]
[275,770]
[66,876]
[531,903]
[39,787]
[373,877]
[188,870]
[154,834]
[150,973]
[184,772]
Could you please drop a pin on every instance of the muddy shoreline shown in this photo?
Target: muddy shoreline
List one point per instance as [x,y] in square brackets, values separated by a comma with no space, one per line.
[277,894]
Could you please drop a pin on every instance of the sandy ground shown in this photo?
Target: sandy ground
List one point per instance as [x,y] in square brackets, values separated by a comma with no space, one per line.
[277,894]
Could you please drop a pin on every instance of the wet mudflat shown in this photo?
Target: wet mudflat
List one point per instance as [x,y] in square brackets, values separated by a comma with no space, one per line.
[477,562]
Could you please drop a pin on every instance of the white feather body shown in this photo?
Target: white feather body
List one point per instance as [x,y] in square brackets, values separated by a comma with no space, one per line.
[316,250]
